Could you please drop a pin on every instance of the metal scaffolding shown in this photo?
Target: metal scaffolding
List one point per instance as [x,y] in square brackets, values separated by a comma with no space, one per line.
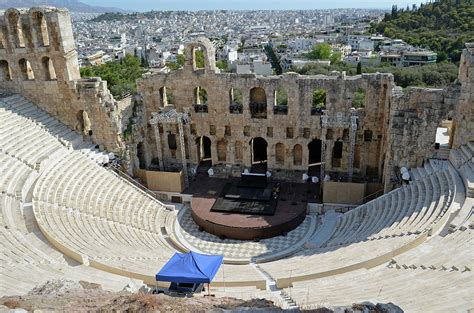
[171,116]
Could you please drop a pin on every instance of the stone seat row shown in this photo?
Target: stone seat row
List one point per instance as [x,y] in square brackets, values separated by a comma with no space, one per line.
[24,266]
[80,184]
[434,284]
[25,250]
[22,110]
[14,175]
[381,215]
[78,229]
[404,219]
[114,245]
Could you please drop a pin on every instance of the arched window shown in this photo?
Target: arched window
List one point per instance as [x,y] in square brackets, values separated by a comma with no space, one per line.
[281,97]
[298,155]
[5,74]
[280,153]
[235,101]
[41,29]
[235,96]
[48,69]
[281,102]
[14,21]
[166,96]
[318,101]
[200,95]
[141,156]
[26,70]
[198,58]
[258,102]
[200,100]
[358,100]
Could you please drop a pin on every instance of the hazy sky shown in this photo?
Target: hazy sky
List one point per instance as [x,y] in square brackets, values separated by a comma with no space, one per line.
[144,5]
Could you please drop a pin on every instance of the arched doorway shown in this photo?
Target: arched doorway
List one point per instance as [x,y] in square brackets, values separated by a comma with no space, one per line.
[141,156]
[314,158]
[204,150]
[259,155]
[258,102]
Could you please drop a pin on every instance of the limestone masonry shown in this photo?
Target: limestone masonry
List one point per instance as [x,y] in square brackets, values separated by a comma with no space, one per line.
[233,115]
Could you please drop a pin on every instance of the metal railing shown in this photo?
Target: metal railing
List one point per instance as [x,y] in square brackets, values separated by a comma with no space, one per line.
[134,182]
[363,199]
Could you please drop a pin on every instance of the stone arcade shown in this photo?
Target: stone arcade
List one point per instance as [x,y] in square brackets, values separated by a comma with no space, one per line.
[64,215]
[366,141]
[229,111]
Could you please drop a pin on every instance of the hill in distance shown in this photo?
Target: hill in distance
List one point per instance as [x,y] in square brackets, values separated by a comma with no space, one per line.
[443,26]
[71,5]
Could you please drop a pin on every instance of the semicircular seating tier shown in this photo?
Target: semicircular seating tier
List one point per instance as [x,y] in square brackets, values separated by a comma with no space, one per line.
[371,234]
[436,276]
[95,217]
[26,257]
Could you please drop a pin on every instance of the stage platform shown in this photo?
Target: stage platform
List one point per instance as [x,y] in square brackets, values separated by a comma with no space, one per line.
[235,198]
[289,210]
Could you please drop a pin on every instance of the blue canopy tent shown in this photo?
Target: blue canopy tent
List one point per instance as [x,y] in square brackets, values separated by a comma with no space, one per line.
[190,267]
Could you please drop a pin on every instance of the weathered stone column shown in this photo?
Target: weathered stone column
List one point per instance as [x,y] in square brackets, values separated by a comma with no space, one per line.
[187,129]
[183,152]
[352,138]
[324,127]
[158,143]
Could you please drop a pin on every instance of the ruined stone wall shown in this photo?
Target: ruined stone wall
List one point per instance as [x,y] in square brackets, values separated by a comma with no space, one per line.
[417,112]
[415,116]
[296,127]
[464,114]
[38,60]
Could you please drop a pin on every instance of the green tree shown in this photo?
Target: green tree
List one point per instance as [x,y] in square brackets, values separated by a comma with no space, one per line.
[359,68]
[336,57]
[222,64]
[180,59]
[443,26]
[120,76]
[319,98]
[199,57]
[281,97]
[321,51]
[358,100]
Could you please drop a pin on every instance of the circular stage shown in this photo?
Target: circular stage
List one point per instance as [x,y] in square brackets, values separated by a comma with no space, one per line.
[288,214]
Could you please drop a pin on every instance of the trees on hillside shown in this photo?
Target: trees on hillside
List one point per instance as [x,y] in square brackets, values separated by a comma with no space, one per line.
[432,75]
[444,26]
[121,76]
